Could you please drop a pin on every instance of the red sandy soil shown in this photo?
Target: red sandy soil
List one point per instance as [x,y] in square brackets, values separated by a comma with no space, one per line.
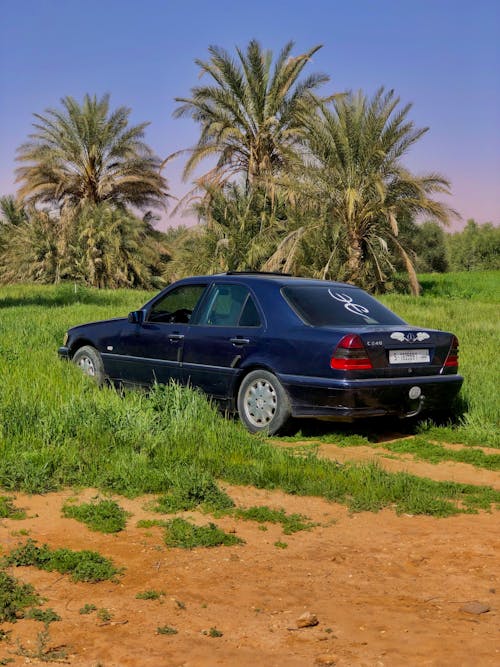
[387,590]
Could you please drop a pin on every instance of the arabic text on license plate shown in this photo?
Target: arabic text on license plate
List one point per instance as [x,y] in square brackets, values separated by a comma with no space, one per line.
[409,356]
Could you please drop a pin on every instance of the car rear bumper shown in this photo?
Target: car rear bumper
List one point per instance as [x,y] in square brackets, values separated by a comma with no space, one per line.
[353,399]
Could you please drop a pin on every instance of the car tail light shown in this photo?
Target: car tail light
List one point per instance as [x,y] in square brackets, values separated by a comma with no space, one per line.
[350,355]
[452,358]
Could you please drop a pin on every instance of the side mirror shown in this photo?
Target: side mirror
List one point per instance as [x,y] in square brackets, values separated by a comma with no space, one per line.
[137,316]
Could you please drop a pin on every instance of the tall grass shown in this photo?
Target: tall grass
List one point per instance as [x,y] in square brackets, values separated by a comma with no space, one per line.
[57,428]
[468,305]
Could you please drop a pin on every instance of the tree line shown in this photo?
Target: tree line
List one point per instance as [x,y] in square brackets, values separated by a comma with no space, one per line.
[299,179]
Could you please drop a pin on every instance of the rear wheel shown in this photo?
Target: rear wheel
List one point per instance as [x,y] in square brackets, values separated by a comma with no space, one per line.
[263,404]
[88,359]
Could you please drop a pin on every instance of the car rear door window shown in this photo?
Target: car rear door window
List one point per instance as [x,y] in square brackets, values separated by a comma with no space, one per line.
[329,305]
[177,305]
[230,306]
[249,315]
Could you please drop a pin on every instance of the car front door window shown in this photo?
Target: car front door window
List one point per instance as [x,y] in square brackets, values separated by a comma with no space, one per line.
[177,306]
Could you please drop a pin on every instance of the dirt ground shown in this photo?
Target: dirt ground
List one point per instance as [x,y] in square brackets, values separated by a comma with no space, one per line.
[387,590]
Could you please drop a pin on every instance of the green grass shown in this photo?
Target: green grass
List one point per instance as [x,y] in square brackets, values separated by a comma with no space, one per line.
[185,535]
[104,516]
[150,595]
[420,446]
[192,488]
[58,430]
[149,523]
[291,523]
[8,509]
[85,565]
[465,286]
[466,304]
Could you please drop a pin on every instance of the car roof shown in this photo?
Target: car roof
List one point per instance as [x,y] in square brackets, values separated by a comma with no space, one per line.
[252,277]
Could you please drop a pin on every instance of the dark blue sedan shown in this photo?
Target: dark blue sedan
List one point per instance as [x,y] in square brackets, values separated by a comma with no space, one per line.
[272,347]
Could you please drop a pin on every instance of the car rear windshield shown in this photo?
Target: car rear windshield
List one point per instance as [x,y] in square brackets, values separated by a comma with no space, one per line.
[332,306]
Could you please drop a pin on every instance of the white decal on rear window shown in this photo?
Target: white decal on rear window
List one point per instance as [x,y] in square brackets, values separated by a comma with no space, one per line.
[349,305]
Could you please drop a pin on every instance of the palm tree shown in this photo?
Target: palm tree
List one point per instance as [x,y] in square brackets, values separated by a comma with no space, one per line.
[12,211]
[357,173]
[109,247]
[86,154]
[32,249]
[239,230]
[249,112]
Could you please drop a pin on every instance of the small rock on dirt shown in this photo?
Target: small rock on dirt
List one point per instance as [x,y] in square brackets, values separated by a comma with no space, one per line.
[475,607]
[307,620]
[326,659]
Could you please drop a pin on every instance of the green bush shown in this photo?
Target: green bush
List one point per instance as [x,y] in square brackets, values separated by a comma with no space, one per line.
[15,597]
[105,516]
[81,565]
[181,533]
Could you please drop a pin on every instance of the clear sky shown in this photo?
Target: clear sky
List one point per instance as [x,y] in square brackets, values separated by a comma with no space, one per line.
[441,55]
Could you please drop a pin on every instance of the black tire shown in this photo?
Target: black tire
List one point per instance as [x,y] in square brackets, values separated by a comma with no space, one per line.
[263,404]
[90,362]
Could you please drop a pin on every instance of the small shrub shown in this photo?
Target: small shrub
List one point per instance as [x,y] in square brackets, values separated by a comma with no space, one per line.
[20,533]
[81,565]
[15,597]
[42,651]
[281,545]
[213,632]
[181,533]
[104,615]
[44,615]
[166,630]
[105,516]
[87,609]
[150,595]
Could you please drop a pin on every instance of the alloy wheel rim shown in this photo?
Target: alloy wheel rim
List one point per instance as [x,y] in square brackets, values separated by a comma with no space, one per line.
[260,403]
[87,366]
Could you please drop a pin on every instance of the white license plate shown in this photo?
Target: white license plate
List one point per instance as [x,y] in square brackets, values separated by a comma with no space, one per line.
[409,356]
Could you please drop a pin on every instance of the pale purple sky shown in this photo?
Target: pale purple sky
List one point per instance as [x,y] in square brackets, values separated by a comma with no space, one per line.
[442,55]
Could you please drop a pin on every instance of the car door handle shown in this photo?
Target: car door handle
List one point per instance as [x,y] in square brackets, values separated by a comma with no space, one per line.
[175,336]
[239,340]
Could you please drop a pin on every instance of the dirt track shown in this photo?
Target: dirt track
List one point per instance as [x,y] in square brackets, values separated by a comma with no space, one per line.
[387,590]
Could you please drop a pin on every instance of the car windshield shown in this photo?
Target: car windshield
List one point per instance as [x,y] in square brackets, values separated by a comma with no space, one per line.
[337,306]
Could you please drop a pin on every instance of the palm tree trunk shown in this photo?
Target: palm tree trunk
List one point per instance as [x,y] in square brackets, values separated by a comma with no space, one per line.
[355,255]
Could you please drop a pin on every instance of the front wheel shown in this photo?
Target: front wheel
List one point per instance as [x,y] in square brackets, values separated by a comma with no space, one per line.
[263,404]
[88,359]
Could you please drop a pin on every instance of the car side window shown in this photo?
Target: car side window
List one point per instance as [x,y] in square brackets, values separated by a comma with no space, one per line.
[249,315]
[176,306]
[230,306]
